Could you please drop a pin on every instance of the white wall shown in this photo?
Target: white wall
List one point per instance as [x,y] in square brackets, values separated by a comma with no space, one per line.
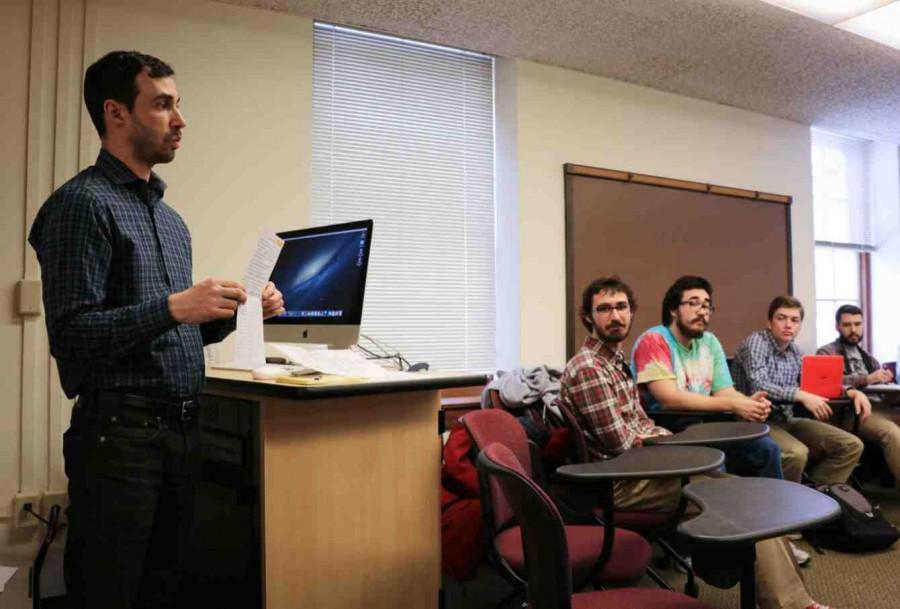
[570,117]
[245,77]
[884,180]
[14,43]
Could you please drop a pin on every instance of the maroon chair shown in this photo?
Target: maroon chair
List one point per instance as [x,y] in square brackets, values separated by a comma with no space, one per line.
[546,546]
[652,525]
[624,560]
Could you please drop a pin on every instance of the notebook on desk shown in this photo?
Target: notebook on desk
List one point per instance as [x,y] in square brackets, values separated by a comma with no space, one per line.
[823,375]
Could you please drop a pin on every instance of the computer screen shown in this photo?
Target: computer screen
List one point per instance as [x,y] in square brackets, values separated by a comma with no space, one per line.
[322,273]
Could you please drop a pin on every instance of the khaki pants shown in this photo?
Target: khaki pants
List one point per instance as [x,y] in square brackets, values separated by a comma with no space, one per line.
[881,428]
[778,581]
[796,437]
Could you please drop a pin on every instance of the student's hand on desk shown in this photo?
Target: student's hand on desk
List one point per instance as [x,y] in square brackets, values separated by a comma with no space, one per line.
[861,403]
[750,409]
[879,376]
[272,301]
[762,398]
[206,301]
[815,404]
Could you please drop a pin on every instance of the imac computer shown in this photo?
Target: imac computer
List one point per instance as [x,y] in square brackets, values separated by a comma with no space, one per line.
[322,273]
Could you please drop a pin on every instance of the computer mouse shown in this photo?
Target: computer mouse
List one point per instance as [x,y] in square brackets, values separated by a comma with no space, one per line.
[270,372]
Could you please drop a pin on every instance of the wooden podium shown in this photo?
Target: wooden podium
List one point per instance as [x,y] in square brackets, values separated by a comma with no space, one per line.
[346,480]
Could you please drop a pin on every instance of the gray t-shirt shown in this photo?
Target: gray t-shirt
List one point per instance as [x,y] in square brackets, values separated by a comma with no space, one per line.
[855,360]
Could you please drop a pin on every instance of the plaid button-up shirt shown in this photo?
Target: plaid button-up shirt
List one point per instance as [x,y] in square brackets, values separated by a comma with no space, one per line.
[597,385]
[111,252]
[761,366]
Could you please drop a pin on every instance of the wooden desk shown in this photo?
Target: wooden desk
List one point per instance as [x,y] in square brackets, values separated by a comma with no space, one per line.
[347,479]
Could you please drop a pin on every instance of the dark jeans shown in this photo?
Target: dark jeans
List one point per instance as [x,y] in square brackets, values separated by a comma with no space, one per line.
[132,477]
[760,458]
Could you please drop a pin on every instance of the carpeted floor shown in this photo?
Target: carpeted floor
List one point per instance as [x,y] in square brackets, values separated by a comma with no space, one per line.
[844,581]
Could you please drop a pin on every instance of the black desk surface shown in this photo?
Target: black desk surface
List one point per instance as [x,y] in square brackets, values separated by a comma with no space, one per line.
[712,434]
[742,510]
[646,462]
[881,388]
[234,380]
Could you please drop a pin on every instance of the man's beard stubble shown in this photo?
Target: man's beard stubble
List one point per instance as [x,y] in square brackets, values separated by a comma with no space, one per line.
[688,332]
[609,338]
[146,148]
[852,340]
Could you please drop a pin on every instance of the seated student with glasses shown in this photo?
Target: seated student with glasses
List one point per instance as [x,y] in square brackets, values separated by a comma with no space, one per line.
[679,365]
[598,388]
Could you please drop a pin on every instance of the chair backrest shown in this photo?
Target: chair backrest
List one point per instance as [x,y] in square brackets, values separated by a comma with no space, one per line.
[543,536]
[487,427]
[542,417]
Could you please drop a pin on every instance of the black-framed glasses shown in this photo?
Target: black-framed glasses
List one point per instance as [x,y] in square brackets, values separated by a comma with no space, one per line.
[606,309]
[698,305]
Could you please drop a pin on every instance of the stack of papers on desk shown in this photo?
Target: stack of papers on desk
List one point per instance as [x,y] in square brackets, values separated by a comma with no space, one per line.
[338,362]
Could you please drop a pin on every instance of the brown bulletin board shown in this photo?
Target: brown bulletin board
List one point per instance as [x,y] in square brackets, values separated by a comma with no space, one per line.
[651,230]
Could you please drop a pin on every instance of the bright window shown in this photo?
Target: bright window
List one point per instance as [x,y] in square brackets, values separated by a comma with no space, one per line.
[837,283]
[842,226]
[403,133]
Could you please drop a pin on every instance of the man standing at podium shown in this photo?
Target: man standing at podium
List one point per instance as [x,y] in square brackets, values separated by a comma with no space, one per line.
[127,327]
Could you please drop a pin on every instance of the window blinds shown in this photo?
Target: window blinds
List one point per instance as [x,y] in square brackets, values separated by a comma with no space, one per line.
[403,134]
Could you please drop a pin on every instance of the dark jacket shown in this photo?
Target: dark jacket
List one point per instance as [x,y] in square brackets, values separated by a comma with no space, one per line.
[851,379]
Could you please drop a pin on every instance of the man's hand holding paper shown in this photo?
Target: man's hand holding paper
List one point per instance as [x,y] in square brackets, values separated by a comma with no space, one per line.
[272,301]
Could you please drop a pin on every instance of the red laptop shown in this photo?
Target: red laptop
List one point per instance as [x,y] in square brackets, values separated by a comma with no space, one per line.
[822,375]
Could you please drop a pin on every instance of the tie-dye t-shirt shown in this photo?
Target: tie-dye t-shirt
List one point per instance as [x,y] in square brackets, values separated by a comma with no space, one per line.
[657,356]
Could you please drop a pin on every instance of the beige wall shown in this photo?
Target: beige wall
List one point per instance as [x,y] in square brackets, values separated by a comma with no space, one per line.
[14,41]
[245,77]
[569,117]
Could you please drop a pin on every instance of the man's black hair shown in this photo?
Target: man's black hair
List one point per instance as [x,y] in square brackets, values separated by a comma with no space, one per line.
[603,284]
[114,76]
[672,298]
[847,309]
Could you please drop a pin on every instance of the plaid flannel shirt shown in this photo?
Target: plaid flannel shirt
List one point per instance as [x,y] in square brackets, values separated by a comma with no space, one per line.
[598,387]
[111,252]
[761,366]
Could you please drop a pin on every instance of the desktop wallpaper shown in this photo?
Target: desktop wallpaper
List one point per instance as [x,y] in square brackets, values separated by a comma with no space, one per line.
[322,277]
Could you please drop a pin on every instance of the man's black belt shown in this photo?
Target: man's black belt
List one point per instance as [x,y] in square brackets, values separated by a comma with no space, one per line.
[171,410]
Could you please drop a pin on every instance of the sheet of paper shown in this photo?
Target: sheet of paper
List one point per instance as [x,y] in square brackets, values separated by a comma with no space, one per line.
[259,269]
[6,574]
[341,362]
[249,349]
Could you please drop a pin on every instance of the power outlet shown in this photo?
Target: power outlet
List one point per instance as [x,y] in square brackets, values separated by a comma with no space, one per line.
[20,518]
[51,498]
